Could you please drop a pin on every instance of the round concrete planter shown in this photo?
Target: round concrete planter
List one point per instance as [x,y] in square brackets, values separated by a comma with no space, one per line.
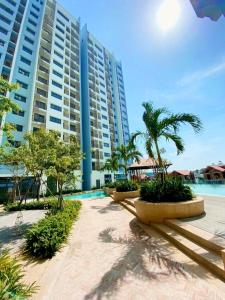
[120,196]
[109,191]
[149,212]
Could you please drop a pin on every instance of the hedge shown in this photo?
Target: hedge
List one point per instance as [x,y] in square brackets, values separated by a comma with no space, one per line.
[46,237]
[49,203]
[126,186]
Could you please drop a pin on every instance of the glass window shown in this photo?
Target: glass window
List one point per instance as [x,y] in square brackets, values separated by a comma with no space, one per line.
[20,98]
[24,72]
[57,74]
[19,127]
[55,120]
[27,50]
[24,60]
[56,84]
[56,107]
[58,64]
[29,40]
[5,8]
[56,95]
[22,84]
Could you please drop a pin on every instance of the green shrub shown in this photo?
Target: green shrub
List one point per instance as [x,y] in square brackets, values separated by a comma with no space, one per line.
[172,190]
[11,274]
[45,237]
[126,186]
[111,184]
[49,203]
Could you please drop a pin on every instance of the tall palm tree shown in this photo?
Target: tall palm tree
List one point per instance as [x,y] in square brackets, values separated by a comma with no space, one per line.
[112,163]
[127,153]
[160,123]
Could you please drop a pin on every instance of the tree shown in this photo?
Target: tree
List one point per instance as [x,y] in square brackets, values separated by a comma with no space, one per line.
[38,154]
[112,163]
[6,104]
[66,158]
[127,153]
[160,123]
[11,157]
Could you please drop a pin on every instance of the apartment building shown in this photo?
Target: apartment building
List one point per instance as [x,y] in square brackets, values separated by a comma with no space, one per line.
[105,123]
[68,81]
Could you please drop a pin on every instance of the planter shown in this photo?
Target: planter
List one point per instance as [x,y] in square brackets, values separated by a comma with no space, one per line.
[109,191]
[149,212]
[120,196]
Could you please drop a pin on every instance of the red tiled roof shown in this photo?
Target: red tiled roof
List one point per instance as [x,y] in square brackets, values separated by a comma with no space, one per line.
[216,168]
[146,163]
[182,172]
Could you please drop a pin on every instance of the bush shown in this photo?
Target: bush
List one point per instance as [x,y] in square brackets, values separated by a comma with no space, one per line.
[126,186]
[45,237]
[111,184]
[11,274]
[49,203]
[172,190]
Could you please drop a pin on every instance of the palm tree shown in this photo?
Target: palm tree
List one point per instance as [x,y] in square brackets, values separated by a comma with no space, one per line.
[160,123]
[112,163]
[127,153]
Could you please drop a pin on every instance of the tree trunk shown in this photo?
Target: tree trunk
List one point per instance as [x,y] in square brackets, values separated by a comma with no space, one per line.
[39,176]
[160,161]
[60,197]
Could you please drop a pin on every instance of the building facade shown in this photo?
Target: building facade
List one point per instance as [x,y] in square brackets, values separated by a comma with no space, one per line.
[68,81]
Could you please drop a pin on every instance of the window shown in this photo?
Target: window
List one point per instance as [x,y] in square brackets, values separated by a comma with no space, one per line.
[42,92]
[40,104]
[103,108]
[101,70]
[60,22]
[5,8]
[103,100]
[62,15]
[57,74]
[4,19]
[107,154]
[42,80]
[55,120]
[27,50]
[24,72]
[43,69]
[32,22]
[19,113]
[101,77]
[105,126]
[20,98]
[104,117]
[11,2]
[45,59]
[58,45]
[106,145]
[19,127]
[33,14]
[60,29]
[22,84]
[39,118]
[2,30]
[105,135]
[30,31]
[58,54]
[72,127]
[99,49]
[29,40]
[26,61]
[2,43]
[59,37]
[102,84]
[56,107]
[56,95]
[58,64]
[35,7]
[45,49]
[56,84]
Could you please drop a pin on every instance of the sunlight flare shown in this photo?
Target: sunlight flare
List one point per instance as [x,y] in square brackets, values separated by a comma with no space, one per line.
[168,14]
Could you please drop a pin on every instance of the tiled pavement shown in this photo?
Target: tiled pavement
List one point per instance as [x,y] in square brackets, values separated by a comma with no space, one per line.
[109,257]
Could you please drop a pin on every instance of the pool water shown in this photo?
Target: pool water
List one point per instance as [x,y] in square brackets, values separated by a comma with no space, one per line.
[86,196]
[208,189]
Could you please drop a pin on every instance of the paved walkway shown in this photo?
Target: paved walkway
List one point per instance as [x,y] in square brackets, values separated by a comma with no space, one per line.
[11,231]
[108,256]
[214,219]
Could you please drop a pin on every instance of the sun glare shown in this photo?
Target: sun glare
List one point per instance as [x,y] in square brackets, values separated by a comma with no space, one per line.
[168,14]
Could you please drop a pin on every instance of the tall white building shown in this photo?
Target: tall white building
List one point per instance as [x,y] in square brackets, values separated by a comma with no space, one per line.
[68,81]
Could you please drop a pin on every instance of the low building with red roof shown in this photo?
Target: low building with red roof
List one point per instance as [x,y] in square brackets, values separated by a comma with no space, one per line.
[215,172]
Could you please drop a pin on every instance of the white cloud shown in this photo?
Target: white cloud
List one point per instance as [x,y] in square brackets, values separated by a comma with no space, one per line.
[199,75]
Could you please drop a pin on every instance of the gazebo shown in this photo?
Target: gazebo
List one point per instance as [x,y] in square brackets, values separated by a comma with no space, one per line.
[136,169]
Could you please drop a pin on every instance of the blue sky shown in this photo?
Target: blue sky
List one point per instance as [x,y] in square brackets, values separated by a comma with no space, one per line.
[183,69]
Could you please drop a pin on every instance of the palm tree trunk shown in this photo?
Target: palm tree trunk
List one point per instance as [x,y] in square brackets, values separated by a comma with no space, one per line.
[160,163]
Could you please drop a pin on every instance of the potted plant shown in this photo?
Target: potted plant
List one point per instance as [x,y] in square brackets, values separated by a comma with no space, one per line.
[110,187]
[170,200]
[126,189]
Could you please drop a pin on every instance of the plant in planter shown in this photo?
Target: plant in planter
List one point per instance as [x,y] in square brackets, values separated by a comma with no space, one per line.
[172,190]
[126,189]
[110,187]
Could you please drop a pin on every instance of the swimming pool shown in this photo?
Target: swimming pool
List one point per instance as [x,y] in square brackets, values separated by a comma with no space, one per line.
[86,196]
[208,189]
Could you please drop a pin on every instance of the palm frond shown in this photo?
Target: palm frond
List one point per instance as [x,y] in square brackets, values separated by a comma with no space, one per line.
[179,143]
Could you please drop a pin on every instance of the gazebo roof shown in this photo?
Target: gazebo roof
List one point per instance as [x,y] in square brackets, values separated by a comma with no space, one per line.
[146,163]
